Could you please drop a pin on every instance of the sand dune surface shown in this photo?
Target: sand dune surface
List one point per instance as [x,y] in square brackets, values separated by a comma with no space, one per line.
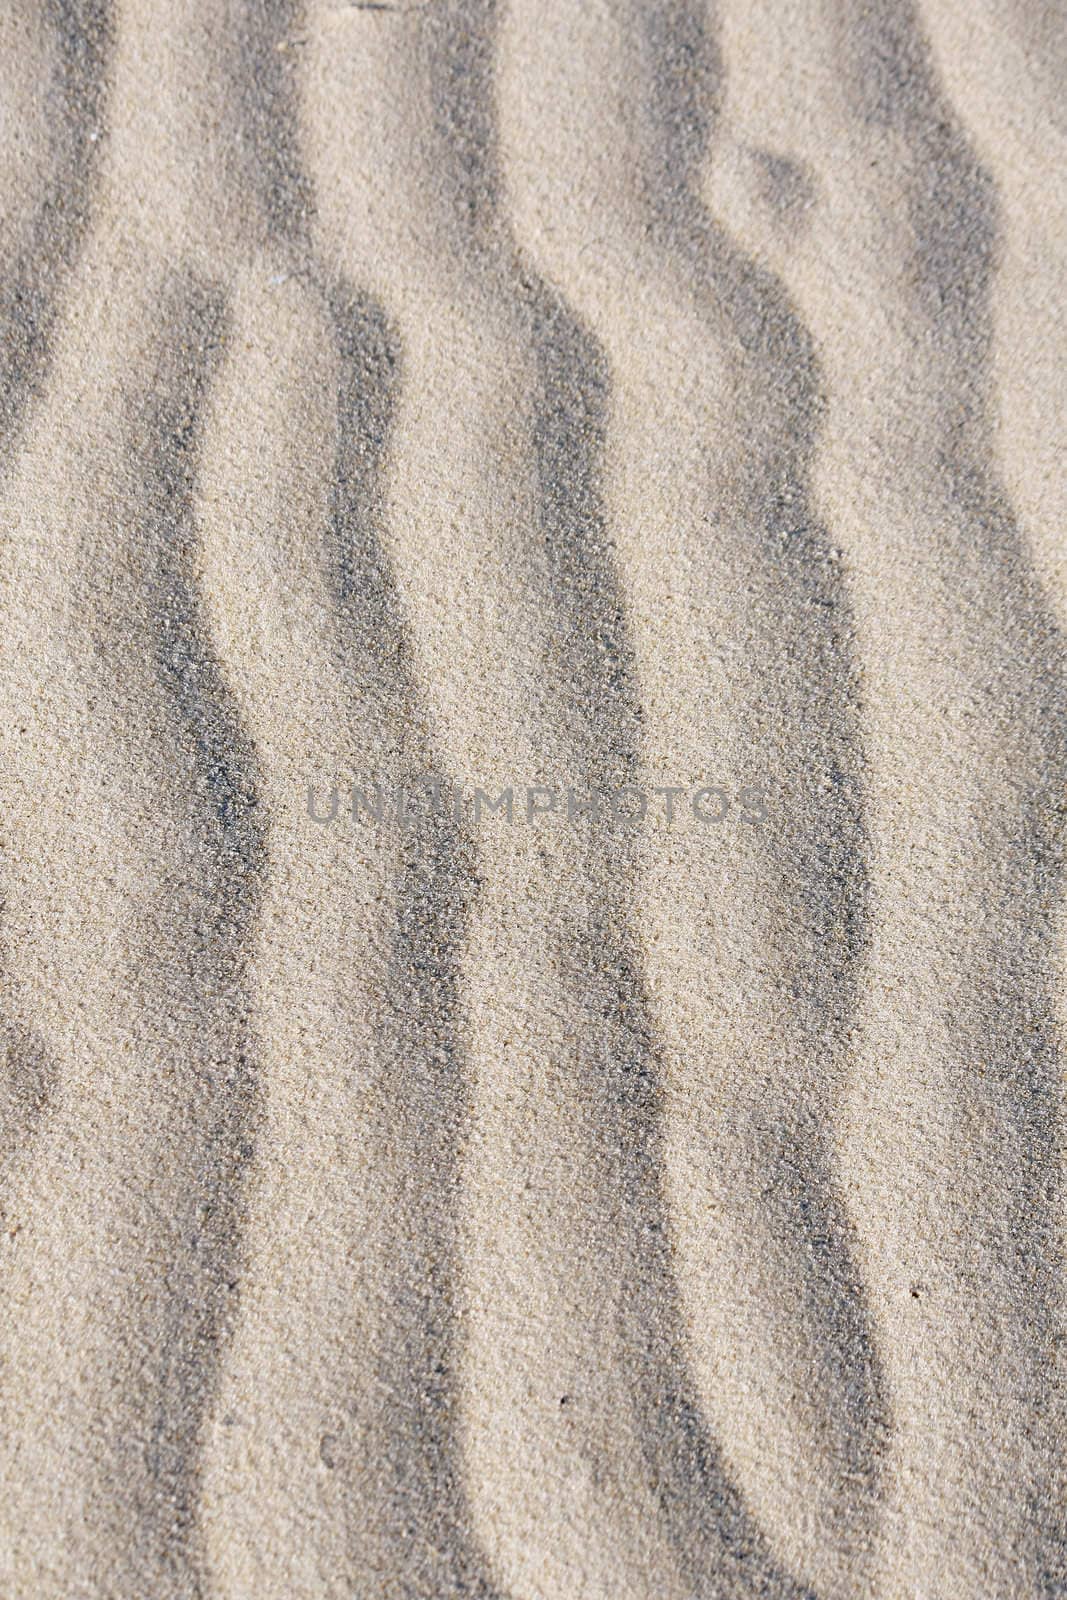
[533,580]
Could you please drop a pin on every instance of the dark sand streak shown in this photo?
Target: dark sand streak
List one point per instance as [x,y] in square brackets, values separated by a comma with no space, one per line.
[36,254]
[201,1288]
[1000,622]
[420,1027]
[714,1534]
[800,661]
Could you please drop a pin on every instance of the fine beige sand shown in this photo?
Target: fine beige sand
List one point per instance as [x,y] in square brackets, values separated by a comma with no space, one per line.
[634,397]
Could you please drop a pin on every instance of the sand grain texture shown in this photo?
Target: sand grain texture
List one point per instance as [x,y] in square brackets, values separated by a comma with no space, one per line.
[469,394]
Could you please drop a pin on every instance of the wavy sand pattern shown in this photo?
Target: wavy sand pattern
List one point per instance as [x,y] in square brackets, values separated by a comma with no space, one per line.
[465,393]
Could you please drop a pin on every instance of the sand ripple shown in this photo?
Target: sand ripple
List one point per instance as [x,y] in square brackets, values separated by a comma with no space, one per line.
[648,393]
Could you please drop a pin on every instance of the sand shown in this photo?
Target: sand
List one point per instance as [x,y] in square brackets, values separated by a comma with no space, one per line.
[657,400]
